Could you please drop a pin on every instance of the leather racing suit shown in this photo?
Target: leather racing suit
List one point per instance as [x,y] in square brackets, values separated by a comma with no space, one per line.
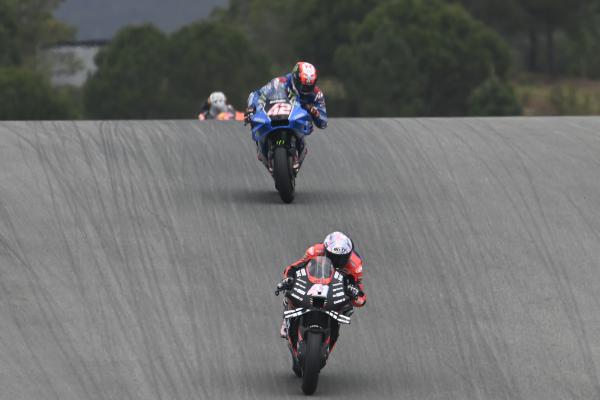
[211,112]
[353,269]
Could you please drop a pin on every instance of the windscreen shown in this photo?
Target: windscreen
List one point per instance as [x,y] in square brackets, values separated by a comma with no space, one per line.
[277,105]
[320,268]
[276,91]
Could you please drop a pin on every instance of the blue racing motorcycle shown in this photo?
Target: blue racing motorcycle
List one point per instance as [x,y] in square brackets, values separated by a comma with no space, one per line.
[278,127]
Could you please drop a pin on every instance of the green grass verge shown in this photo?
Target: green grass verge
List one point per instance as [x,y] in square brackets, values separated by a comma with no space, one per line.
[542,96]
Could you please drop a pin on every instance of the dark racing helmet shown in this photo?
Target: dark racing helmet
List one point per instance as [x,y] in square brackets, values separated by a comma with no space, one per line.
[304,78]
[338,248]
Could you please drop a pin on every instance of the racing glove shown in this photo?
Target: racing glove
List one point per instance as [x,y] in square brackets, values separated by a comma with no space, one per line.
[353,291]
[250,110]
[285,284]
[314,112]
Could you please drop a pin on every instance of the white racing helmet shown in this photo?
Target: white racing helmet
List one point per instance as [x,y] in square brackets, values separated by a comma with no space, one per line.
[338,248]
[218,102]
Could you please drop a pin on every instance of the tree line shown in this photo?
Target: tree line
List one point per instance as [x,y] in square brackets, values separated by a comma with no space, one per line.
[375,57]
[551,36]
[25,90]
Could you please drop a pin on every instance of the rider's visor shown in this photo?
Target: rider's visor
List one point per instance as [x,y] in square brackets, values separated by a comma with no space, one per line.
[307,89]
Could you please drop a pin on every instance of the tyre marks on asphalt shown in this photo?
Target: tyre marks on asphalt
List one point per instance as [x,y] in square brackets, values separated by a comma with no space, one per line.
[118,241]
[548,239]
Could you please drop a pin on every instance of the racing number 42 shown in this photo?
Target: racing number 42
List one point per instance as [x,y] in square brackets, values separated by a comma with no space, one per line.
[280,109]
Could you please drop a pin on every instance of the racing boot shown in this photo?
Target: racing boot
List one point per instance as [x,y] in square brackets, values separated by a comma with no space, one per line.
[299,157]
[295,364]
[261,157]
[283,330]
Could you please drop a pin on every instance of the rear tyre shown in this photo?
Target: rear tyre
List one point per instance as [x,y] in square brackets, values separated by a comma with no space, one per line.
[283,174]
[312,363]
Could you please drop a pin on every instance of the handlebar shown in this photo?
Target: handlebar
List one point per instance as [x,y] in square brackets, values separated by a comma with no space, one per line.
[353,291]
[284,285]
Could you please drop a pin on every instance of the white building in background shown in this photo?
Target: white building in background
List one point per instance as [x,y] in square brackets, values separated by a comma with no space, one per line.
[71,63]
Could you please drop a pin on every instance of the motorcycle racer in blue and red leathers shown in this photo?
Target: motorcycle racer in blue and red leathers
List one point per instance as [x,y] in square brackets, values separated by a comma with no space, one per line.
[301,83]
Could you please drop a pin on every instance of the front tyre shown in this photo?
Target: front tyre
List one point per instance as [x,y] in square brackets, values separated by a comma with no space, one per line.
[312,363]
[283,174]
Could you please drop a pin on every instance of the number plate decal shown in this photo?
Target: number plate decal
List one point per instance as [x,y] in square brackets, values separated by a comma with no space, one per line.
[318,290]
[280,109]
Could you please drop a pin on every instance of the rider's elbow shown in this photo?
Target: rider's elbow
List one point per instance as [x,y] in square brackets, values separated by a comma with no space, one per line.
[360,302]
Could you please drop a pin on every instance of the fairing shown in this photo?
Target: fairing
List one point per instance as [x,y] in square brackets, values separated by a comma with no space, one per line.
[298,120]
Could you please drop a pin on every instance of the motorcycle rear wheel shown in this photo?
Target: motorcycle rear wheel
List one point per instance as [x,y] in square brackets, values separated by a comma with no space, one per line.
[283,174]
[312,363]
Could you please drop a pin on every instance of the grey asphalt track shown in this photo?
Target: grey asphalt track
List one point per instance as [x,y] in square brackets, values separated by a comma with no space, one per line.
[138,259]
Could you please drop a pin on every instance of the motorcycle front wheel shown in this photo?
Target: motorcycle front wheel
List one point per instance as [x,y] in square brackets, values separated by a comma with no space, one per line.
[283,174]
[312,363]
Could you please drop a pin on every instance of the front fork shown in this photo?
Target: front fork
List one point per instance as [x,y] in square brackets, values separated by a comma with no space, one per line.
[299,350]
[282,139]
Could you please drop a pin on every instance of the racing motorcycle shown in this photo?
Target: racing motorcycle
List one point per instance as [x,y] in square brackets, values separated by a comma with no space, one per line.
[223,116]
[277,124]
[317,304]
[230,116]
